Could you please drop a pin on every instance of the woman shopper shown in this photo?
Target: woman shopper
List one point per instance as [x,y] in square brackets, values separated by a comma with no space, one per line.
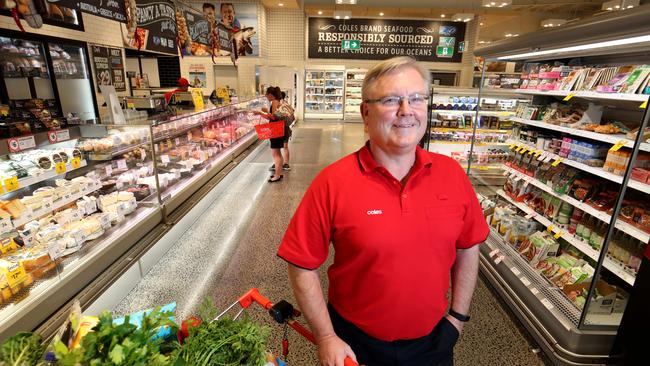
[273,94]
[287,110]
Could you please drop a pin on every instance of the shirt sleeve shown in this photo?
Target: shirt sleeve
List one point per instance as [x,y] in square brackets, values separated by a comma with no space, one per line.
[475,228]
[306,241]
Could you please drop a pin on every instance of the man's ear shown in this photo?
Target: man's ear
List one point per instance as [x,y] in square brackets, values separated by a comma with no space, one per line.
[364,109]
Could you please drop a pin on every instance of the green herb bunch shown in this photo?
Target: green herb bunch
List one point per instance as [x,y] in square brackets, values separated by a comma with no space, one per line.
[225,342]
[22,349]
[120,344]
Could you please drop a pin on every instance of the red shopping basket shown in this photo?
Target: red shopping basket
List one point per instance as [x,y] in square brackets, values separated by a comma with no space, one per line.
[270,130]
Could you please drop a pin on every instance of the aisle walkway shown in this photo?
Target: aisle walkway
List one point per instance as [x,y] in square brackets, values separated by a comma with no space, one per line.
[232,247]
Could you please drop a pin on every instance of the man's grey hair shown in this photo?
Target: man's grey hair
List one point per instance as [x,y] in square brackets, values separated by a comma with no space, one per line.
[390,65]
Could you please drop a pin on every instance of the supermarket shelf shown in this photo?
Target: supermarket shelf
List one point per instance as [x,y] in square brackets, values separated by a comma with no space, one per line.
[602,216]
[443,142]
[112,154]
[467,129]
[583,94]
[583,247]
[26,182]
[612,139]
[481,113]
[642,187]
[46,210]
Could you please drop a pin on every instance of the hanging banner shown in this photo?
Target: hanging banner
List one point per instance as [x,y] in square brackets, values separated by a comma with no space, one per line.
[109,68]
[219,29]
[151,26]
[109,9]
[381,39]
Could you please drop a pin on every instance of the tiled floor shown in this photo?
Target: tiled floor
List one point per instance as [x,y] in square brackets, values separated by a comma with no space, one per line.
[231,249]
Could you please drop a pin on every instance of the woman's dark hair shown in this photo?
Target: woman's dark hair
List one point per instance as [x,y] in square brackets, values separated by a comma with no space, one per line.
[283,95]
[275,92]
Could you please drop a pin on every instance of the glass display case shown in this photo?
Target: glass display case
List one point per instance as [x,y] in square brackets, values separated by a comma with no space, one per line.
[353,83]
[569,225]
[52,71]
[74,200]
[324,92]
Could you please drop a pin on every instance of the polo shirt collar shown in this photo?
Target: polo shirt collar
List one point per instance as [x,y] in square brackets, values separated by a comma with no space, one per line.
[368,162]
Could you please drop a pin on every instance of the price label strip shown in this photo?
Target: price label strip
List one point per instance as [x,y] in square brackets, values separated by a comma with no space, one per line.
[644,105]
[569,97]
[499,259]
[60,168]
[11,184]
[525,281]
[515,271]
[493,253]
[556,162]
[76,163]
[618,145]
[557,235]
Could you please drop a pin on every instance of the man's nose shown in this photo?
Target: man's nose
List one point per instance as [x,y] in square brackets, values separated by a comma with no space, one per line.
[404,107]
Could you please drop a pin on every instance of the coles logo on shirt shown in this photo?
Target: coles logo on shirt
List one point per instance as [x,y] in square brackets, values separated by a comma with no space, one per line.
[374,212]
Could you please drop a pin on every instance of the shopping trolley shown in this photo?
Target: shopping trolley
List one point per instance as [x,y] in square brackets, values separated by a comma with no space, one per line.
[282,312]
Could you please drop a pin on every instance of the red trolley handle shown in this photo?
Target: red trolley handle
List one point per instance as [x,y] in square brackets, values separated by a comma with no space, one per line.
[253,295]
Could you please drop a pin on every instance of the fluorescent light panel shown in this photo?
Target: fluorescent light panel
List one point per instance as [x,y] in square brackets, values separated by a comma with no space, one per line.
[590,46]
[351,2]
[342,14]
[550,23]
[462,17]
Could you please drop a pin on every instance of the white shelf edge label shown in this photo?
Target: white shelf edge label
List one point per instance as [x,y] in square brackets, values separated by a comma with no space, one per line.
[525,281]
[58,136]
[493,253]
[515,271]
[534,290]
[499,259]
[547,304]
[17,144]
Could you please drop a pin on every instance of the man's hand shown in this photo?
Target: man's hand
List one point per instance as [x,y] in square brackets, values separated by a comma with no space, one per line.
[456,323]
[265,110]
[332,351]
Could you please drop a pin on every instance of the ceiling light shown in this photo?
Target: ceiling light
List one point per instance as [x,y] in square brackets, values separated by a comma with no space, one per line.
[320,12]
[481,24]
[590,46]
[462,17]
[281,4]
[629,4]
[497,4]
[339,1]
[620,4]
[549,23]
[381,14]
[351,2]
[342,14]
[442,15]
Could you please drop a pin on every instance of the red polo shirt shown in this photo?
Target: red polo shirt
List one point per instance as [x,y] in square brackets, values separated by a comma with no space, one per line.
[394,245]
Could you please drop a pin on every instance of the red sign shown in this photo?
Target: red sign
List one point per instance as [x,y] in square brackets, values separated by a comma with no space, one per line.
[17,144]
[58,136]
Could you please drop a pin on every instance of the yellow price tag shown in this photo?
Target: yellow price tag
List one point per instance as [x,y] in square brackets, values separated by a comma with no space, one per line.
[557,235]
[550,228]
[520,149]
[8,246]
[130,105]
[511,146]
[523,151]
[644,105]
[538,152]
[531,152]
[11,184]
[169,144]
[16,276]
[76,163]
[618,145]
[556,162]
[60,168]
[482,167]
[568,97]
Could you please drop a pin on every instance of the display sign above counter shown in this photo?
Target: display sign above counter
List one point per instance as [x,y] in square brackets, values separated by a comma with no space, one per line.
[380,39]
[109,9]
[153,28]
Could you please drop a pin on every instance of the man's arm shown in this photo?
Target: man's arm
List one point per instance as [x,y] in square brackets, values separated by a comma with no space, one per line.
[463,281]
[309,295]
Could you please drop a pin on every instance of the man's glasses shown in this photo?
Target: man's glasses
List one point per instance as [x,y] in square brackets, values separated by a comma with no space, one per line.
[392,101]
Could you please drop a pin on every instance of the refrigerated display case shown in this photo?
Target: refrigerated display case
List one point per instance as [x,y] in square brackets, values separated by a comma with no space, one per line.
[51,70]
[75,200]
[459,123]
[324,93]
[570,223]
[353,83]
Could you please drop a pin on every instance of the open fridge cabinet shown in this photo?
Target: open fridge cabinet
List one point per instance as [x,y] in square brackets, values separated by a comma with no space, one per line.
[473,129]
[76,201]
[324,93]
[571,221]
[353,83]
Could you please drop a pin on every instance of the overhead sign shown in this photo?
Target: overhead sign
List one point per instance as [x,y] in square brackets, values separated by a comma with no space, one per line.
[350,45]
[109,68]
[383,39]
[153,28]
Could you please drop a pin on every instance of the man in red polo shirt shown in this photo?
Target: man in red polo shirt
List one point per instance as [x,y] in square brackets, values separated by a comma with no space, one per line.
[403,222]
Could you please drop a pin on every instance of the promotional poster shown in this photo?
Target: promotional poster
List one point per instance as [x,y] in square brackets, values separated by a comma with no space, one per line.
[151,26]
[218,29]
